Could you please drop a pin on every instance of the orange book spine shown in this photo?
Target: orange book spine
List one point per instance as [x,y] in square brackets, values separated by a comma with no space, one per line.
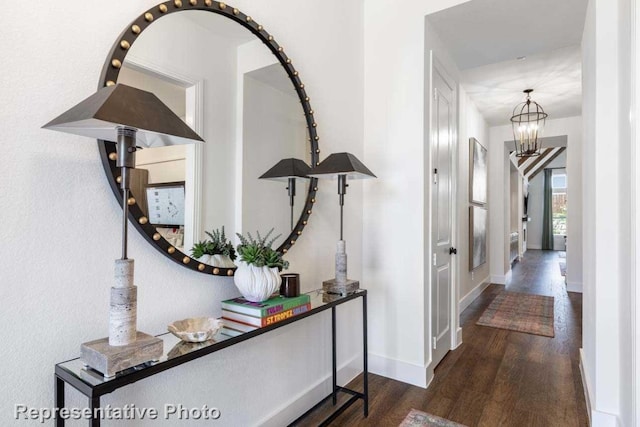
[279,317]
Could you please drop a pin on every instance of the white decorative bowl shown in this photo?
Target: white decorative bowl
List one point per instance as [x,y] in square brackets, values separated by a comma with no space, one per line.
[198,329]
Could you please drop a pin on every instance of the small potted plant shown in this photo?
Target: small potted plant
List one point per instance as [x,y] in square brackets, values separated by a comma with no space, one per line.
[258,273]
[218,251]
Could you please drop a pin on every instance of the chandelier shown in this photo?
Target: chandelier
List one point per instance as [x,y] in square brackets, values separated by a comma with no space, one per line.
[528,122]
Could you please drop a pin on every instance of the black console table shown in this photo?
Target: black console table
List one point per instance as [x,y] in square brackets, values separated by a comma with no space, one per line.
[93,385]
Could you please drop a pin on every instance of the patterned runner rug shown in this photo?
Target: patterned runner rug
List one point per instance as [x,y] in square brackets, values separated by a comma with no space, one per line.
[422,419]
[532,314]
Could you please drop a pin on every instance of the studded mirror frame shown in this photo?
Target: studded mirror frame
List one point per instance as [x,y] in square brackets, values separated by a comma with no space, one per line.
[109,76]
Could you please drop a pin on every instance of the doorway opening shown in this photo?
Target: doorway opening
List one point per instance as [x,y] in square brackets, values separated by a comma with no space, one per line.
[532,235]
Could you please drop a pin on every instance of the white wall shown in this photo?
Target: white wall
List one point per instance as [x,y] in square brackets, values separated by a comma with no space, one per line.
[572,127]
[395,222]
[156,49]
[472,125]
[607,337]
[536,203]
[62,221]
[274,129]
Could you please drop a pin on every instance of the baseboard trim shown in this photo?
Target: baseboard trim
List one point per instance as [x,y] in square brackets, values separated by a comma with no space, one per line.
[585,385]
[301,403]
[501,280]
[574,287]
[603,419]
[473,294]
[398,370]
[458,338]
[596,418]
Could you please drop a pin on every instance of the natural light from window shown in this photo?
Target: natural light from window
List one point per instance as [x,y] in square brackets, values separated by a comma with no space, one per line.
[559,202]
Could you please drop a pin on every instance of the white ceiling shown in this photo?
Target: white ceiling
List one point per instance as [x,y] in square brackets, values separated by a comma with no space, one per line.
[484,37]
[481,32]
[555,77]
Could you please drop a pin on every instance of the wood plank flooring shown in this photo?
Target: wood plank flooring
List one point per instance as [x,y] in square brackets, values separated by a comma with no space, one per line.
[496,377]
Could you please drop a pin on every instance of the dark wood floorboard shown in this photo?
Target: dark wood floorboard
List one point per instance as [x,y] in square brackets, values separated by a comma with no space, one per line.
[496,377]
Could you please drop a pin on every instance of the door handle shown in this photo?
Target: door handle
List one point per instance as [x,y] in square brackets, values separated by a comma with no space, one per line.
[453,251]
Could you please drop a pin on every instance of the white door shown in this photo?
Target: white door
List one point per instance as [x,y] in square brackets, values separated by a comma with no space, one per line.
[442,155]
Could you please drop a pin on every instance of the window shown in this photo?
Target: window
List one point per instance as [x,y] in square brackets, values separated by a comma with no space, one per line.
[559,202]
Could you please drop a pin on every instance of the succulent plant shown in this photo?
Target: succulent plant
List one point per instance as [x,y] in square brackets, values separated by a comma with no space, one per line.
[218,245]
[199,249]
[258,251]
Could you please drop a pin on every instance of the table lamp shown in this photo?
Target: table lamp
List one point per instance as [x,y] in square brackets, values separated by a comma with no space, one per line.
[132,118]
[288,170]
[342,166]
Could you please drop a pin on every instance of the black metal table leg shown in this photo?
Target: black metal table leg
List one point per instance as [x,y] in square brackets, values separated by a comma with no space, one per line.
[59,396]
[333,350]
[365,356]
[95,417]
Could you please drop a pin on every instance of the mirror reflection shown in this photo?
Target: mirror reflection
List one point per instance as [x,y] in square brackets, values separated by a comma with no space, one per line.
[227,85]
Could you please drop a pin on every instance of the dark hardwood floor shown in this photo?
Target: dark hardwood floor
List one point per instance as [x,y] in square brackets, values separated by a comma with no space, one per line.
[496,377]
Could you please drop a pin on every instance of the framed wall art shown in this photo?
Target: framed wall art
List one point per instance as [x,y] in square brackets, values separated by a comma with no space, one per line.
[478,172]
[478,236]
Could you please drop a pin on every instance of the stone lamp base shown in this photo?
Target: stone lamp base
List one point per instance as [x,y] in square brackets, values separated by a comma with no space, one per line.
[341,285]
[109,359]
[343,288]
[125,347]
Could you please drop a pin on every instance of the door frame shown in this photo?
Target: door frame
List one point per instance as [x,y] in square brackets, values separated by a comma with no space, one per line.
[433,64]
[634,202]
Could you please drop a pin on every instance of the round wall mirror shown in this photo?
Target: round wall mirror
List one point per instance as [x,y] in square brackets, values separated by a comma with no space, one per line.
[231,82]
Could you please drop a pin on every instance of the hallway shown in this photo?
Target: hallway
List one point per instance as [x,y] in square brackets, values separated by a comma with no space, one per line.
[498,377]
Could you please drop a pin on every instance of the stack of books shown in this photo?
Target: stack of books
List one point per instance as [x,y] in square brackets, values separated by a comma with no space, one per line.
[240,315]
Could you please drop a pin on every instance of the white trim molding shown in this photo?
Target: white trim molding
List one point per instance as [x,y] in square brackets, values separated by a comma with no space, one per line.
[603,419]
[596,418]
[585,384]
[635,218]
[466,300]
[501,280]
[574,287]
[458,337]
[399,370]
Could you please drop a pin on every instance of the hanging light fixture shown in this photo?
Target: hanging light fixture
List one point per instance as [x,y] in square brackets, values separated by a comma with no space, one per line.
[528,122]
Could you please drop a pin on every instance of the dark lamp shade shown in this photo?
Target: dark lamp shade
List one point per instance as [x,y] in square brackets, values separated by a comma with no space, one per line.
[121,106]
[341,164]
[287,168]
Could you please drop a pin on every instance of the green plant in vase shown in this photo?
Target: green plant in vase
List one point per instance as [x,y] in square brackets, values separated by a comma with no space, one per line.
[258,251]
[219,245]
[218,251]
[258,274]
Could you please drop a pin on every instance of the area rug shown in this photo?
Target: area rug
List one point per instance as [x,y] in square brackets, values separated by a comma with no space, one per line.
[422,419]
[532,314]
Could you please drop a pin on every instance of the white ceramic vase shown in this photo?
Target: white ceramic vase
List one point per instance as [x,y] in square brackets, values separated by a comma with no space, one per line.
[221,261]
[256,284]
[205,259]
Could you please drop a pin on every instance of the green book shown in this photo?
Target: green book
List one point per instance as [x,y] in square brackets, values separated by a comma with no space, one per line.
[266,308]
